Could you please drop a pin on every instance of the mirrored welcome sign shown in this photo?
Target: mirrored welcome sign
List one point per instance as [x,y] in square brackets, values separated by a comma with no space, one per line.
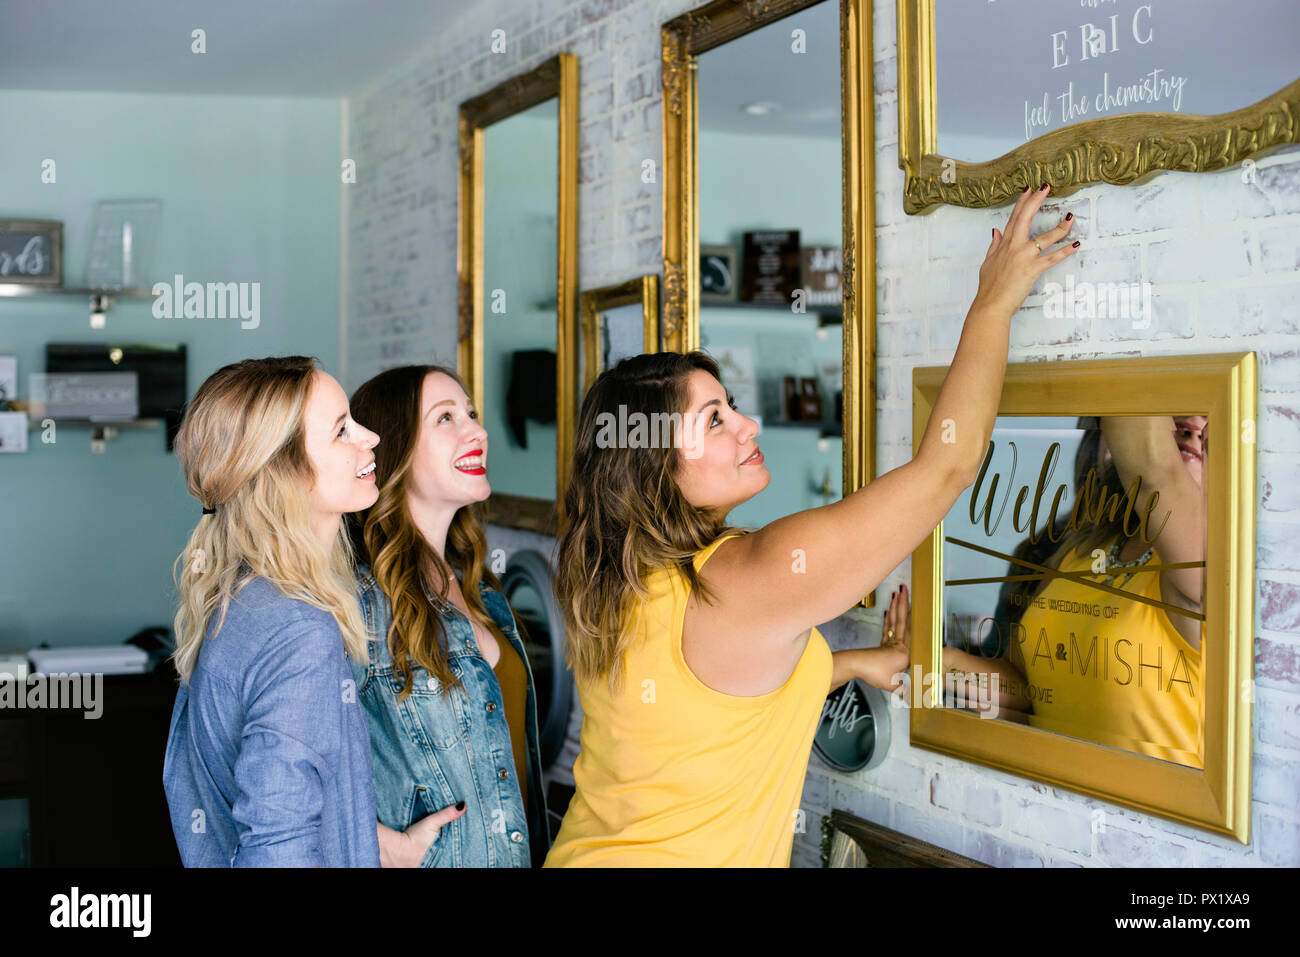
[1091,580]
[1074,569]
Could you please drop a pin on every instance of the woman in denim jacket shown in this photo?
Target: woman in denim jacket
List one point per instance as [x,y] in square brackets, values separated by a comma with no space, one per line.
[267,760]
[448,693]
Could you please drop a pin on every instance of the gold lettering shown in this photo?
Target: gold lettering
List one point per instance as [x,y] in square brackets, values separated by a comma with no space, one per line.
[1044,474]
[1042,641]
[1181,660]
[1141,664]
[1129,679]
[1075,654]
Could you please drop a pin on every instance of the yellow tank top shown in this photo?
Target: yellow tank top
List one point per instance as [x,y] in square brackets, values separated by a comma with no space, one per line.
[1113,671]
[673,773]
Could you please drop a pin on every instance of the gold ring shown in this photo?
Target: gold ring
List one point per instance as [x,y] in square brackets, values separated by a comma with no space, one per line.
[1038,247]
[891,633]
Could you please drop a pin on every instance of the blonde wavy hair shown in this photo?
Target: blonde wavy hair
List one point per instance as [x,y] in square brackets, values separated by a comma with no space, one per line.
[242,450]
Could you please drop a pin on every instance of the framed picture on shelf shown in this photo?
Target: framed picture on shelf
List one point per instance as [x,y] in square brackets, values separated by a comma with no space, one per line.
[772,268]
[718,273]
[31,252]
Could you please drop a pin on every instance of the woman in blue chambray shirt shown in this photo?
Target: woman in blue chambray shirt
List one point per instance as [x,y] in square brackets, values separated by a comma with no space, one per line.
[448,692]
[267,760]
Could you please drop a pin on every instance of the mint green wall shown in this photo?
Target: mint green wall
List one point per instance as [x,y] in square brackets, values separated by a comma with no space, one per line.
[776,182]
[250,190]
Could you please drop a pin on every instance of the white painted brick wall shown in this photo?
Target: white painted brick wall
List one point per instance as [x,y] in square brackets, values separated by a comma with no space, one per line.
[1222,255]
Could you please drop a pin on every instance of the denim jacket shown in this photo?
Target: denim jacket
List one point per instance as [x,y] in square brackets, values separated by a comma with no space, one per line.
[268,760]
[437,748]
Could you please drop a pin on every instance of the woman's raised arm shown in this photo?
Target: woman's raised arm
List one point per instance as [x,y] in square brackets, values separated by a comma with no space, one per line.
[806,568]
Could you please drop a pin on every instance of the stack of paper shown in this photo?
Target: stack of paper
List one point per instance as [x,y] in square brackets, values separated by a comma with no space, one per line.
[90,659]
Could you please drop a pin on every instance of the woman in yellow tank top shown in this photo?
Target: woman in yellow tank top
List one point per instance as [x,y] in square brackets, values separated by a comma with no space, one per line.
[699,666]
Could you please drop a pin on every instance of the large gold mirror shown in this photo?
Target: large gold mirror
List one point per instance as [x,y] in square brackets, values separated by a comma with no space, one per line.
[1097,581]
[993,97]
[768,208]
[517,263]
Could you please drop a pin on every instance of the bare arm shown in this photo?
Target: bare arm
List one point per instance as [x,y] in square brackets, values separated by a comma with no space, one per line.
[809,567]
[1144,445]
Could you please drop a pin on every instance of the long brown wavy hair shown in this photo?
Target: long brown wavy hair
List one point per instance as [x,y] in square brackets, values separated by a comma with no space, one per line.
[625,516]
[242,451]
[386,538]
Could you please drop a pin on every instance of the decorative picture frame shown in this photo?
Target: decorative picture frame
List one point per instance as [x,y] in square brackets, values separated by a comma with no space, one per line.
[1217,795]
[642,291]
[719,272]
[29,243]
[1117,149]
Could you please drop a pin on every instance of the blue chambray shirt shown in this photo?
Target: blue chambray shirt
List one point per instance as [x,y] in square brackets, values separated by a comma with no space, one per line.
[268,760]
[437,748]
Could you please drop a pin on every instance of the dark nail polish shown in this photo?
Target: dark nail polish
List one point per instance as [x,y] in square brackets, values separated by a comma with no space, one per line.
[1025,190]
[995,232]
[460,805]
[1044,186]
[1075,244]
[1069,216]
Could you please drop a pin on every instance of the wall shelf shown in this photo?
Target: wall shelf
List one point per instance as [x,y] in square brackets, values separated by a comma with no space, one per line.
[17,289]
[101,300]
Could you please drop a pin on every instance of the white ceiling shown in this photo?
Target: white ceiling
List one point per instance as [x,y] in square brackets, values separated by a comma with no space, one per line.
[325,48]
[763,67]
[333,48]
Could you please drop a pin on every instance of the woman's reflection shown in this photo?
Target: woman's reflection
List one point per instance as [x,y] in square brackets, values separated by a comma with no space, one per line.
[1106,618]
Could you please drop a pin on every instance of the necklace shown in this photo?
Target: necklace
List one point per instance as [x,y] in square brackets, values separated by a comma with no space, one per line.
[1114,565]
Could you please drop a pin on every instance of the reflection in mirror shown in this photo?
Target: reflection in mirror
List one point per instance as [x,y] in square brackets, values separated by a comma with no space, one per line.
[621,333]
[1074,577]
[520,247]
[1077,62]
[770,231]
[618,321]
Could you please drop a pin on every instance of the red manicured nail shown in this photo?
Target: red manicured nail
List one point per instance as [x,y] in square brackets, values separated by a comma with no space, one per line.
[1025,190]
[1044,186]
[1075,244]
[1069,216]
[995,232]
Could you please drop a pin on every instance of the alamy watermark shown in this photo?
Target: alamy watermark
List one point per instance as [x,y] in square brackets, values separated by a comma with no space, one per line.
[1098,300]
[214,300]
[968,690]
[76,692]
[654,430]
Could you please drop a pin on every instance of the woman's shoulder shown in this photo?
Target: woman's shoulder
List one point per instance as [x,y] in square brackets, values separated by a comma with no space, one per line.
[264,626]
[705,553]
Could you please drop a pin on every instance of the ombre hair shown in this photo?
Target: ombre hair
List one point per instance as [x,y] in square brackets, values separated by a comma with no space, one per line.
[625,516]
[387,539]
[242,449]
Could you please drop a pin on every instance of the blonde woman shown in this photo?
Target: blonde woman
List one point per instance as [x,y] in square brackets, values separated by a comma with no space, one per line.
[702,685]
[267,759]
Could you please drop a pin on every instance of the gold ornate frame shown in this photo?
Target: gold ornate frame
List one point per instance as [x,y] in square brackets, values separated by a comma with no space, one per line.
[1216,798]
[643,291]
[684,39]
[557,77]
[1114,150]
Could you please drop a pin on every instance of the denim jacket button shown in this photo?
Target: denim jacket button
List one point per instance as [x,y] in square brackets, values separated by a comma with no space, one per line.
[491,706]
[433,684]
[469,645]
[516,837]
[503,774]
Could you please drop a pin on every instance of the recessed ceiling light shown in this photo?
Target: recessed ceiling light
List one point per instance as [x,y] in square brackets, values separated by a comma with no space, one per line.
[761,108]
